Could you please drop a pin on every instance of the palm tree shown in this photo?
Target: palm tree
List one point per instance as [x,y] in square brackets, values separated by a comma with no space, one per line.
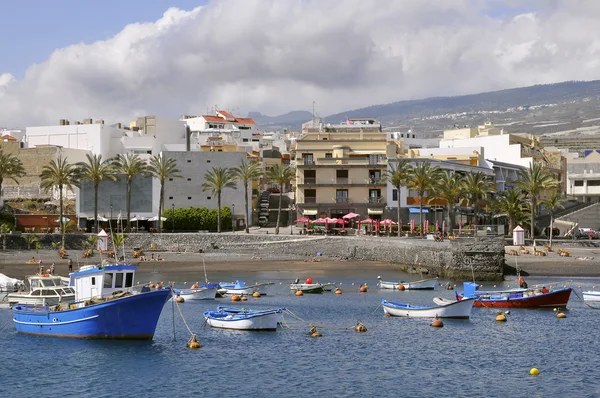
[246,172]
[281,175]
[398,175]
[511,203]
[451,188]
[62,175]
[423,178]
[11,167]
[130,166]
[96,171]
[215,181]
[477,186]
[552,203]
[533,181]
[163,168]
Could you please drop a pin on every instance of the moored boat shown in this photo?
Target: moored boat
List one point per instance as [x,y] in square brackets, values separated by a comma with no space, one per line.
[205,292]
[454,309]
[244,319]
[239,287]
[517,298]
[309,287]
[423,284]
[44,289]
[106,307]
[591,295]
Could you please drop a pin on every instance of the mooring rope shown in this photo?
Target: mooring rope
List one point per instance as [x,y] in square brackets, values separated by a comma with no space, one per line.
[181,313]
[585,302]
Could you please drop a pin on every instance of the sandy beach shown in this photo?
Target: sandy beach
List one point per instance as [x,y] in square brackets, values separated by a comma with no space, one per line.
[583,262]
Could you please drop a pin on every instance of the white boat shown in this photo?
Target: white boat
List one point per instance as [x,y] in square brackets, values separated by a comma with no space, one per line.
[307,287]
[454,309]
[43,290]
[409,285]
[240,288]
[591,295]
[250,320]
[201,293]
[8,284]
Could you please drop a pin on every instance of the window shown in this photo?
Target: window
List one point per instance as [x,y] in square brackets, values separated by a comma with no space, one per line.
[189,198]
[308,158]
[395,194]
[578,183]
[374,176]
[244,139]
[170,179]
[128,279]
[36,292]
[189,179]
[108,280]
[341,196]
[593,183]
[208,198]
[93,281]
[170,198]
[189,161]
[374,195]
[208,161]
[118,279]
[328,156]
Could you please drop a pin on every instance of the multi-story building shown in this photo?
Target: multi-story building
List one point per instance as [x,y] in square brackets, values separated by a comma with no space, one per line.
[583,176]
[340,169]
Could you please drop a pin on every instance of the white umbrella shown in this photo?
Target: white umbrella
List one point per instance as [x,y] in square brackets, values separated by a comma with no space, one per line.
[100,218]
[65,219]
[155,218]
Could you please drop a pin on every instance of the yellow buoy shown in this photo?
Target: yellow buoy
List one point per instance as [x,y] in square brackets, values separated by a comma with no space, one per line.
[193,343]
[437,323]
[559,313]
[501,317]
[313,332]
[360,327]
[179,299]
[256,294]
[338,291]
[244,298]
[534,371]
[299,293]
[235,297]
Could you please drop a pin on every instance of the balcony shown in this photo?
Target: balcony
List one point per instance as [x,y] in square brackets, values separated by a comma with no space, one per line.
[376,199]
[308,180]
[345,161]
[307,162]
[376,181]
[310,200]
[342,180]
[342,200]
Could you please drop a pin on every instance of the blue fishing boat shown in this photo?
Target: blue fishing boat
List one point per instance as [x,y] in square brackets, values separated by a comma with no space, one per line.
[106,307]
[243,319]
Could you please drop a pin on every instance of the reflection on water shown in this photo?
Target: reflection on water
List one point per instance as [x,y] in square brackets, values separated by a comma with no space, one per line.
[396,357]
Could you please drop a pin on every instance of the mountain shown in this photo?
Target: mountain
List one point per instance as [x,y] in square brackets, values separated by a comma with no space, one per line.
[291,120]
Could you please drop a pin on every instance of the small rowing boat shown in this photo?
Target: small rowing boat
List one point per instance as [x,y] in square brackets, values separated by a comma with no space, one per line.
[452,309]
[423,284]
[244,319]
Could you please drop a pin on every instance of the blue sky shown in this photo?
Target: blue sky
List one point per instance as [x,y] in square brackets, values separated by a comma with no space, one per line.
[30,30]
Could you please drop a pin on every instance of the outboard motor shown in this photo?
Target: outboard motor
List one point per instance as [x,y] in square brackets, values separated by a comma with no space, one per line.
[296,281]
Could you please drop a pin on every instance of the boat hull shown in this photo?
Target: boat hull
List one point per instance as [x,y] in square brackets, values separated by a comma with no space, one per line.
[202,293]
[127,318]
[460,309]
[307,287]
[591,296]
[557,298]
[260,320]
[246,290]
[425,284]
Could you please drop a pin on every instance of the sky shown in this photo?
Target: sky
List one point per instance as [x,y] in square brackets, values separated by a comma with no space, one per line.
[116,60]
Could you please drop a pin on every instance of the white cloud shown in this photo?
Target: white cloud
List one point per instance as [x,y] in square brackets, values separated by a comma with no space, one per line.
[274,56]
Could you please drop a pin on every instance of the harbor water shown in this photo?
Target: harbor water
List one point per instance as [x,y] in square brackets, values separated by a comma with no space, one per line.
[396,357]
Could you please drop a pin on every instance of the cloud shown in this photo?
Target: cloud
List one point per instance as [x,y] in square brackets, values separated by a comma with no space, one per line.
[275,56]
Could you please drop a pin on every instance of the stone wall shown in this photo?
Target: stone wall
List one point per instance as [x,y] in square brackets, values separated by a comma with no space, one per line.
[457,259]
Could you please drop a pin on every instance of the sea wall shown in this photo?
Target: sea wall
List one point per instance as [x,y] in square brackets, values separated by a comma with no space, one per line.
[482,257]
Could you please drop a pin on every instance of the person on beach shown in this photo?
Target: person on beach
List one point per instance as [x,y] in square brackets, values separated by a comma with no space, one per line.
[52,269]
[41,269]
[70,265]
[152,257]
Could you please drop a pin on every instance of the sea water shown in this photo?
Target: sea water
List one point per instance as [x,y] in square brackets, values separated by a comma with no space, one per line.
[396,357]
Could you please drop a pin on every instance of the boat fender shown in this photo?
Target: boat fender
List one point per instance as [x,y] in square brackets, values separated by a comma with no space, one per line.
[299,293]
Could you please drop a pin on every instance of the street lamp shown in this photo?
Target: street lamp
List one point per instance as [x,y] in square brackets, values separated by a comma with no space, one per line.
[172,218]
[292,209]
[233,218]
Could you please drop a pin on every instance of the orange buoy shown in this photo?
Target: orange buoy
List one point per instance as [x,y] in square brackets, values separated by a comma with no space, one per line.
[309,281]
[437,323]
[363,288]
[360,327]
[151,285]
[314,333]
[256,294]
[501,317]
[299,293]
[235,297]
[386,314]
[244,298]
[401,287]
[179,299]
[338,291]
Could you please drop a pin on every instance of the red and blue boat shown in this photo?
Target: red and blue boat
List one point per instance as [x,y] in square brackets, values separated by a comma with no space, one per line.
[106,306]
[516,298]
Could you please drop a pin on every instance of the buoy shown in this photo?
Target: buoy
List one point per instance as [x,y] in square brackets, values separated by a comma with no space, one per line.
[352,283]
[244,298]
[494,286]
[363,289]
[256,294]
[193,343]
[360,327]
[386,314]
[151,285]
[309,281]
[313,332]
[401,287]
[559,313]
[534,371]
[159,285]
[450,287]
[341,284]
[179,299]
[299,293]
[235,297]
[338,291]
[437,323]
[501,317]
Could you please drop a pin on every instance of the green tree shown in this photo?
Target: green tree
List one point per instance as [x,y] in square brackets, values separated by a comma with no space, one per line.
[451,188]
[163,168]
[423,179]
[130,166]
[477,186]
[11,168]
[511,203]
[31,239]
[95,170]
[553,202]
[281,175]
[533,182]
[398,176]
[246,172]
[215,181]
[60,174]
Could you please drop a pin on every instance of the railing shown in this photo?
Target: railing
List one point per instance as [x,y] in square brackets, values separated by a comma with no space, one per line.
[478,230]
[342,200]
[376,199]
[308,162]
[311,200]
[342,180]
[309,180]
[376,181]
[351,161]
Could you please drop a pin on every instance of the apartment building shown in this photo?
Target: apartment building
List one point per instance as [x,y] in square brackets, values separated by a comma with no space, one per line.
[340,169]
[583,176]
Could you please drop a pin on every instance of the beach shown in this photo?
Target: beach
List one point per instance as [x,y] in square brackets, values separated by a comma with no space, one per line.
[582,262]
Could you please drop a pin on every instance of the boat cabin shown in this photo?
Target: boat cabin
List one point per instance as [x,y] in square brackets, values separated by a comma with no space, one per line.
[100,281]
[36,281]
